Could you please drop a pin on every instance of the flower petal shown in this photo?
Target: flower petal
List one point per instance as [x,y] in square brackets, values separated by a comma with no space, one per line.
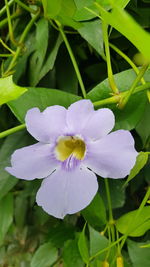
[78,114]
[100,123]
[112,156]
[32,162]
[67,192]
[47,125]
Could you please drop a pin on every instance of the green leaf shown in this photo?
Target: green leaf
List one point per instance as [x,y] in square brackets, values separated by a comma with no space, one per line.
[64,68]
[37,58]
[83,246]
[9,90]
[92,32]
[71,255]
[140,226]
[143,127]
[128,117]
[66,14]
[51,9]
[41,98]
[95,213]
[44,256]
[6,215]
[132,31]
[83,14]
[53,47]
[140,163]
[139,256]
[117,192]
[11,143]
[60,233]
[97,243]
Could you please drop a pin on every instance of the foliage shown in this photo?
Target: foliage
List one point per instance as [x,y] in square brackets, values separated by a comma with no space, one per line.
[57,52]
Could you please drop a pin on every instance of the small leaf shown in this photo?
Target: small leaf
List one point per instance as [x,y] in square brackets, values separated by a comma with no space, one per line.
[140,163]
[95,213]
[91,31]
[82,245]
[97,243]
[45,255]
[143,127]
[9,90]
[6,215]
[37,58]
[140,225]
[51,9]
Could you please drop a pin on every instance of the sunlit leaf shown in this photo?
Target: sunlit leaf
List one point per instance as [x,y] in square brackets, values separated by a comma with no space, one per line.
[9,90]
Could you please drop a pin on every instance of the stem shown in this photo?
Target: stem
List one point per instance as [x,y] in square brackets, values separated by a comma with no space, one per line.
[72,59]
[123,55]
[11,34]
[25,32]
[13,16]
[2,11]
[131,227]
[115,99]
[108,200]
[105,249]
[6,55]
[7,47]
[25,7]
[133,86]
[108,60]
[12,130]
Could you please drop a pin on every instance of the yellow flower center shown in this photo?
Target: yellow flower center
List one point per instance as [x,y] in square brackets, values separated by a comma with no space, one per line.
[69,145]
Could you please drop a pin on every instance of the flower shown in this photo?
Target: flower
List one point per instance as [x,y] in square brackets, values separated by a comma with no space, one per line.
[74,144]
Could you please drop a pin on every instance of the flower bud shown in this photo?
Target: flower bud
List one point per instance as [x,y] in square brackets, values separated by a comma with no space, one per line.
[105,264]
[120,261]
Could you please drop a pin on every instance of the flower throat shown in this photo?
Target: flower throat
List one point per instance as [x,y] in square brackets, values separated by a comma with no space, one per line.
[70,145]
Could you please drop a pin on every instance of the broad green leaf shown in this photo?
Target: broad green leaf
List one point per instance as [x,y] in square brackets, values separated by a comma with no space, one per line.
[9,90]
[126,25]
[6,215]
[140,163]
[71,256]
[37,58]
[95,213]
[41,98]
[51,8]
[83,246]
[143,127]
[12,142]
[44,256]
[128,117]
[139,226]
[91,31]
[97,243]
[139,256]
[119,3]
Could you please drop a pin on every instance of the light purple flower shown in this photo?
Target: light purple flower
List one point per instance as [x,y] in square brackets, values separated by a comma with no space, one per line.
[74,144]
